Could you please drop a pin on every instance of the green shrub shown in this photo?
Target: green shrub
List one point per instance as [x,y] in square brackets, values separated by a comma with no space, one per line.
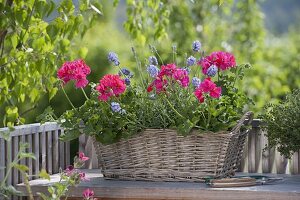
[282,122]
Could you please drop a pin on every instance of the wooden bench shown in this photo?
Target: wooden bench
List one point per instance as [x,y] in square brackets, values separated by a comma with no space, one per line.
[289,189]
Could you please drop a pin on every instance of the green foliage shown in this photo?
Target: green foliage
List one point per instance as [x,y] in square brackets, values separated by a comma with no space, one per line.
[145,18]
[7,190]
[283,125]
[35,37]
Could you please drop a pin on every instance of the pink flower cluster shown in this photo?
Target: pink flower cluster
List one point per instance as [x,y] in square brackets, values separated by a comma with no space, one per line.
[207,86]
[75,70]
[172,72]
[88,194]
[71,171]
[110,85]
[223,60]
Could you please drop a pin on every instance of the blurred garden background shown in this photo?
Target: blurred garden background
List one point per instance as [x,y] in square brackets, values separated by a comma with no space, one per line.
[262,33]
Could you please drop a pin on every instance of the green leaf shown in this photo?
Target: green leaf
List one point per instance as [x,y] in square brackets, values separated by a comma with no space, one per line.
[51,8]
[70,135]
[43,174]
[11,190]
[22,97]
[52,92]
[22,168]
[27,155]
[34,94]
[52,31]
[14,40]
[83,52]
[5,135]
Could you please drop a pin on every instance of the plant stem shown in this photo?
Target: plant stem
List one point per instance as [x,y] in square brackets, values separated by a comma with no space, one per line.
[174,53]
[174,108]
[84,94]
[236,75]
[209,113]
[26,182]
[139,66]
[68,98]
[155,51]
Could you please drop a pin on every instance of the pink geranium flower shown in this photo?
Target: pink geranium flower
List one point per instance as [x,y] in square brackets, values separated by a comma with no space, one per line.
[207,85]
[82,176]
[82,157]
[159,84]
[110,85]
[74,70]
[167,70]
[70,170]
[199,95]
[223,60]
[88,194]
[215,93]
[182,77]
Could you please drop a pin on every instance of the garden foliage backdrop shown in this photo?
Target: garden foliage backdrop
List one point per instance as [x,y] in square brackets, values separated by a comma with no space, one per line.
[35,44]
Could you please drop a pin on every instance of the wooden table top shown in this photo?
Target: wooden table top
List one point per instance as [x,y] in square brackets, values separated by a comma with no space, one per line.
[287,189]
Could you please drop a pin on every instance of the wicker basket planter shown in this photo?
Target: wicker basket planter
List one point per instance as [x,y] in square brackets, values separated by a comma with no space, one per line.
[163,155]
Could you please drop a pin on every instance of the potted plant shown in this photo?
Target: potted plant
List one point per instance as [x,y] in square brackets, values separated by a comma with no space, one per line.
[282,123]
[176,121]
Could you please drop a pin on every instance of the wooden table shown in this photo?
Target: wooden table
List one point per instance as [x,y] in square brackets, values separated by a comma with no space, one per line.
[288,189]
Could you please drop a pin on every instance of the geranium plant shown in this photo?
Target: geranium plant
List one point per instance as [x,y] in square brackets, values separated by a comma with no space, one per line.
[200,93]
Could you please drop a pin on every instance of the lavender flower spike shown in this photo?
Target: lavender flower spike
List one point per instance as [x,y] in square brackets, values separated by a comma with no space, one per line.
[125,71]
[127,81]
[190,61]
[212,70]
[153,60]
[153,71]
[113,57]
[196,82]
[115,107]
[196,46]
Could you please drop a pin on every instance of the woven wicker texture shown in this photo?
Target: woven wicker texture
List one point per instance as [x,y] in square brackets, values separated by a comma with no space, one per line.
[163,155]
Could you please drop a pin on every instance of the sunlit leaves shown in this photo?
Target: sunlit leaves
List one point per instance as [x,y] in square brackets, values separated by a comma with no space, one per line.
[43,174]
[38,38]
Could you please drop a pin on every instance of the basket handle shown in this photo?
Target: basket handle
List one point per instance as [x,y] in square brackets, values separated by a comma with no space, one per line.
[247,116]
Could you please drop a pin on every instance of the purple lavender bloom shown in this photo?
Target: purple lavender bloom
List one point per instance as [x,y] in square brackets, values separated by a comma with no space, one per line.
[196,82]
[124,71]
[212,70]
[152,70]
[196,46]
[153,60]
[190,61]
[115,107]
[127,81]
[112,57]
